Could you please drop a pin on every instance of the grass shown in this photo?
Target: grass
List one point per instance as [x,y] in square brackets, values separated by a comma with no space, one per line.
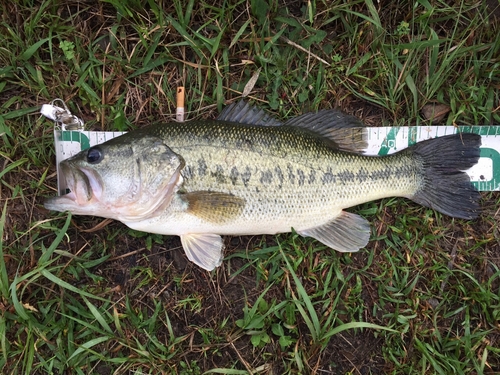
[76,297]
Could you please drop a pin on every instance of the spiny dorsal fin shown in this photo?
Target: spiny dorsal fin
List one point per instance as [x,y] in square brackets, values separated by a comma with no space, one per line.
[213,206]
[347,133]
[245,113]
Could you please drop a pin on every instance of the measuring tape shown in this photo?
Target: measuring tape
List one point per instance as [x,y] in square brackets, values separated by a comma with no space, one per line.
[71,138]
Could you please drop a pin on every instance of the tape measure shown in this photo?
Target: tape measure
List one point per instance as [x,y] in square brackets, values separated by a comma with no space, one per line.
[485,175]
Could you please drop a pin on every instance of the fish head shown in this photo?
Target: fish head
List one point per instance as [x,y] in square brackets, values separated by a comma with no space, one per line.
[123,179]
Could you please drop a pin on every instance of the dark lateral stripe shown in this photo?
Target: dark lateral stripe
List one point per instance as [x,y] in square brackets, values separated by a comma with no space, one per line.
[292,175]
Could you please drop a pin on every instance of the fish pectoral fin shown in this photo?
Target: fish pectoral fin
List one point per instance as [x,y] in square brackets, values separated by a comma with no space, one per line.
[214,207]
[348,232]
[205,250]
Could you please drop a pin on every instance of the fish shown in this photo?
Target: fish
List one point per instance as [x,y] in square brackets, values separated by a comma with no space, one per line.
[248,173]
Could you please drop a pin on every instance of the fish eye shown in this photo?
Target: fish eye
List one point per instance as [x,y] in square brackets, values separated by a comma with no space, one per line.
[94,155]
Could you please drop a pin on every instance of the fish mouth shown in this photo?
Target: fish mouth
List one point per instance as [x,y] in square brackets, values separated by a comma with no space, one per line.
[84,189]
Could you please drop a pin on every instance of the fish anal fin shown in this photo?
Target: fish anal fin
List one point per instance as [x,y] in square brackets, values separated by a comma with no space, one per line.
[245,113]
[205,250]
[348,232]
[215,207]
[345,132]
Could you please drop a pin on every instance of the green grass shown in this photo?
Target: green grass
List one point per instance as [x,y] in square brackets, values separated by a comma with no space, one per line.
[422,298]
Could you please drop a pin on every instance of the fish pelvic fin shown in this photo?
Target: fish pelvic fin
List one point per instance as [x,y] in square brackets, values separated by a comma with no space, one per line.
[343,132]
[215,207]
[446,188]
[348,232]
[205,250]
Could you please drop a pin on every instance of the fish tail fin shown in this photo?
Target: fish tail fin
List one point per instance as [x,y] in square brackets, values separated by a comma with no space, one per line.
[447,188]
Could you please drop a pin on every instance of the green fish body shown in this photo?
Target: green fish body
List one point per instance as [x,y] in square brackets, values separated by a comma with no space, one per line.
[245,173]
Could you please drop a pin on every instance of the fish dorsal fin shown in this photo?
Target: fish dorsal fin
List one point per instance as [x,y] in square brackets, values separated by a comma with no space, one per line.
[244,113]
[205,250]
[215,207]
[348,232]
[346,132]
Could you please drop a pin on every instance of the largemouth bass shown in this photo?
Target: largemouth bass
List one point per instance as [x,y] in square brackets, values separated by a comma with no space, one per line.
[246,173]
